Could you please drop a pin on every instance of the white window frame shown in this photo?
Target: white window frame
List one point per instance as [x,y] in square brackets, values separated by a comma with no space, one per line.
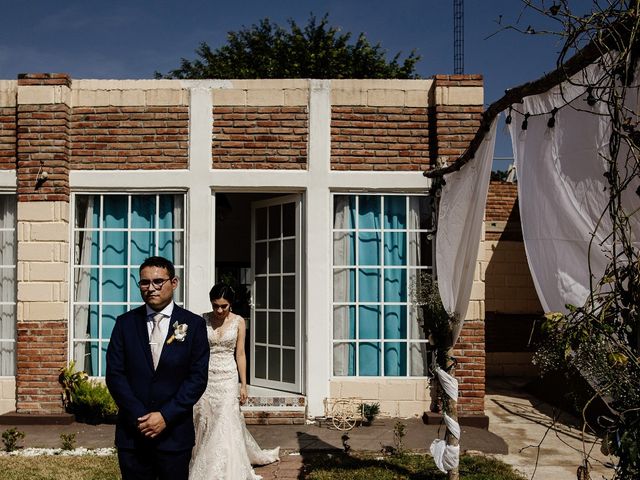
[408,341]
[129,303]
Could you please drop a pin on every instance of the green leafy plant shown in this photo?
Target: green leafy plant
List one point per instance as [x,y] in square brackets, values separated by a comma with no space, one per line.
[68,441]
[10,438]
[89,400]
[399,431]
[370,411]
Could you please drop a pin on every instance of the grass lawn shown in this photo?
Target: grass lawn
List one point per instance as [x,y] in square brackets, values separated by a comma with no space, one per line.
[405,467]
[86,467]
[316,467]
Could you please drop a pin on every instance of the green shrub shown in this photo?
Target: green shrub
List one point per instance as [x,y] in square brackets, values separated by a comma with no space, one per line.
[370,411]
[10,438]
[89,400]
[68,441]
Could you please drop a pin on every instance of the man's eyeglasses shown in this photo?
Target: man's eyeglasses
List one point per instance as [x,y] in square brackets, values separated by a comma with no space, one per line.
[157,283]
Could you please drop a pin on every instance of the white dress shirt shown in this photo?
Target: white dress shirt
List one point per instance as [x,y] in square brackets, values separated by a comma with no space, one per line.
[164,323]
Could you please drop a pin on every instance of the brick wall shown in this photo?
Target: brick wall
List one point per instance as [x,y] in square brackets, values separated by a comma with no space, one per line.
[455,123]
[260,137]
[379,138]
[7,138]
[129,137]
[470,372]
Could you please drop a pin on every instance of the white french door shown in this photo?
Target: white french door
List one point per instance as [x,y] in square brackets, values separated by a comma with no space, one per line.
[276,356]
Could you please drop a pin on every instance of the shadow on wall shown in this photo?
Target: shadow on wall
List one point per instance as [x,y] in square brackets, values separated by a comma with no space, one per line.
[513,311]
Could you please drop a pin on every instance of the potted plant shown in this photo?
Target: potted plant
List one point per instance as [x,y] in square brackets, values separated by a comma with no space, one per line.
[370,411]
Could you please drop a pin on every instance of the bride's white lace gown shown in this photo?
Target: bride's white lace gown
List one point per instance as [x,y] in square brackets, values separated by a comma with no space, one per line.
[224,449]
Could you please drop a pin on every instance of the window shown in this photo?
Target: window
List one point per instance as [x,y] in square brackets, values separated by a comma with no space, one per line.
[7,285]
[113,235]
[381,246]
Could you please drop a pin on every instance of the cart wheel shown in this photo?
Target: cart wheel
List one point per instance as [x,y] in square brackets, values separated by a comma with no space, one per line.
[341,417]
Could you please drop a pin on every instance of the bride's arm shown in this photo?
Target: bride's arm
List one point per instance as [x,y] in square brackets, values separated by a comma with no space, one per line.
[241,360]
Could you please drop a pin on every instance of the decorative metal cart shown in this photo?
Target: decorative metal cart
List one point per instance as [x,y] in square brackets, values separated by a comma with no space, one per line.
[344,413]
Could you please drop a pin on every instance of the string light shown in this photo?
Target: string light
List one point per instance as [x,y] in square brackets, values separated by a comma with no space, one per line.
[552,121]
[508,119]
[525,122]
[591,100]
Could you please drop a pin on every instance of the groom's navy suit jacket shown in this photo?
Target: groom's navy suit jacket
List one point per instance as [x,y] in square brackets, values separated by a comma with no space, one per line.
[172,389]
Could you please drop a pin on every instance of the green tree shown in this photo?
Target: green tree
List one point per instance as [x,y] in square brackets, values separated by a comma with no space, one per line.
[266,50]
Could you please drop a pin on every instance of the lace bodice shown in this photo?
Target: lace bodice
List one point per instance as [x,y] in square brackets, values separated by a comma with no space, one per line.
[224,447]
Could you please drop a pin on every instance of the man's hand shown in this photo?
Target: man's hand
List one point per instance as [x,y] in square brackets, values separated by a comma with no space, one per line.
[151,424]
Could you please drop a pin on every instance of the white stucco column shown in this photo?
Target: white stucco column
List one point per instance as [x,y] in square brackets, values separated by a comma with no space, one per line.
[318,251]
[200,223]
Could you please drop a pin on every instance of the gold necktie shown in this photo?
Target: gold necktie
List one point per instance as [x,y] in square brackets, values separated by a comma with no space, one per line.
[156,339]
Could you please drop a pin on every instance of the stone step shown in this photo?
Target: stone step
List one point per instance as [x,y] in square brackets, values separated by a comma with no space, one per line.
[281,417]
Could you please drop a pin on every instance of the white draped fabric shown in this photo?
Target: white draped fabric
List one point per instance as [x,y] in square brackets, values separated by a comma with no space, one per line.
[562,191]
[460,218]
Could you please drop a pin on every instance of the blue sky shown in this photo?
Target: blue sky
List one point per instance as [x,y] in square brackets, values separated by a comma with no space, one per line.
[135,38]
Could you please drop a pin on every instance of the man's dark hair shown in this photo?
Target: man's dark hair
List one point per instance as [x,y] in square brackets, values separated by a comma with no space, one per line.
[222,290]
[159,262]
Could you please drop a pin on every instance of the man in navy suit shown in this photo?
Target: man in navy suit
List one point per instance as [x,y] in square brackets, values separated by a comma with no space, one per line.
[157,364]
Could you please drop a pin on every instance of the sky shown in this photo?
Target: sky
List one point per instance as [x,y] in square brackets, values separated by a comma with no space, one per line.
[132,39]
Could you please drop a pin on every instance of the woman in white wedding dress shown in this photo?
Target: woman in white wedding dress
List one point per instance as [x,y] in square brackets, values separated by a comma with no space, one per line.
[224,449]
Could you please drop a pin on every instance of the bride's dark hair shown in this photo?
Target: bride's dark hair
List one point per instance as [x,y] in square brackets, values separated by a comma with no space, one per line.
[222,290]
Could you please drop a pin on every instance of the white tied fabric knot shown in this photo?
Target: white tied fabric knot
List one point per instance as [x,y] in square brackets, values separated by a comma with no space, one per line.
[156,339]
[445,456]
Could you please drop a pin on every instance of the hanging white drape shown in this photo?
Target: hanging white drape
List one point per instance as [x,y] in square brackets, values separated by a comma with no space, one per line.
[562,191]
[82,288]
[7,284]
[459,231]
[341,287]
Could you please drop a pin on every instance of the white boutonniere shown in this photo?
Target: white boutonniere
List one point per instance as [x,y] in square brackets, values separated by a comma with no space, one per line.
[179,332]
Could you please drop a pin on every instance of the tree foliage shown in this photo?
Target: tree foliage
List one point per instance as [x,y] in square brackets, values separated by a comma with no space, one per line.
[318,50]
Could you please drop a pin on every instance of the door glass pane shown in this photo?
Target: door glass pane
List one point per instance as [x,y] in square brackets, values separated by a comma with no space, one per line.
[289,256]
[344,285]
[395,248]
[344,322]
[395,321]
[261,258]
[143,211]
[274,222]
[289,329]
[114,285]
[395,359]
[143,245]
[261,223]
[288,365]
[260,294]
[87,247]
[289,292]
[274,292]
[369,211]
[344,359]
[114,250]
[109,315]
[422,207]
[369,279]
[261,327]
[369,359]
[344,210]
[170,211]
[274,364]
[260,364]
[274,256]
[274,328]
[87,211]
[369,248]
[395,212]
[289,219]
[418,363]
[369,321]
[344,248]
[395,285]
[115,211]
